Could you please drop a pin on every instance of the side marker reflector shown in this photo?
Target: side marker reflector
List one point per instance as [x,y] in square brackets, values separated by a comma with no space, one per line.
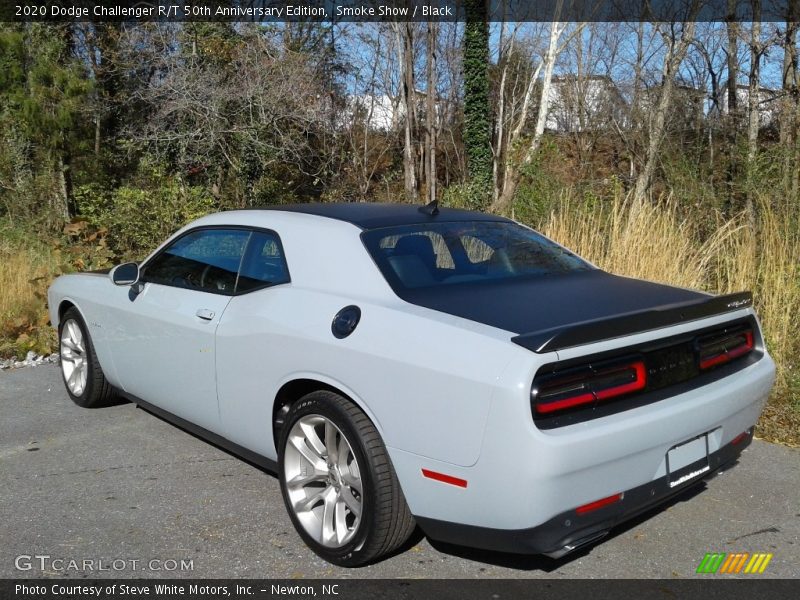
[444,478]
[592,506]
[738,439]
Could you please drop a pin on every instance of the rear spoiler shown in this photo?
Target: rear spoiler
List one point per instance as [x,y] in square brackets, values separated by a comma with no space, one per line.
[599,330]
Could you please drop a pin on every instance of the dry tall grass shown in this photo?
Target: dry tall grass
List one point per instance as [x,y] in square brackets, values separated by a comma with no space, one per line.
[22,311]
[659,243]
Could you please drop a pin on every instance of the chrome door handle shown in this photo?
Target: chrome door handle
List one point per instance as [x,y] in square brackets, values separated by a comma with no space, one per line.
[205,314]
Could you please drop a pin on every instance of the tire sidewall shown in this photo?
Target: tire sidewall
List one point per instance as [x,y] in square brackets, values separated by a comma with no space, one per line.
[319,403]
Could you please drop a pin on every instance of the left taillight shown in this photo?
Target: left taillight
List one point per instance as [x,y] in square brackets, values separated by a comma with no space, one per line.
[587,385]
[720,349]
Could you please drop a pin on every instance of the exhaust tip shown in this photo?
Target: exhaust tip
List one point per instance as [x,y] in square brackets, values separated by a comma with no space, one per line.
[580,543]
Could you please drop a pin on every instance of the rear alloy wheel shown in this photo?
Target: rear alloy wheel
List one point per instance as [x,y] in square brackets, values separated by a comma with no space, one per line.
[83,377]
[338,484]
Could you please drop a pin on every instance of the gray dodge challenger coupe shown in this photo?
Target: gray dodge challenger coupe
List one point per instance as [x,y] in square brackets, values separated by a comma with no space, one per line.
[400,366]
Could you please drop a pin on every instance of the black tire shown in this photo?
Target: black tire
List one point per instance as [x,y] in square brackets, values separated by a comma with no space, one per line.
[97,392]
[385,521]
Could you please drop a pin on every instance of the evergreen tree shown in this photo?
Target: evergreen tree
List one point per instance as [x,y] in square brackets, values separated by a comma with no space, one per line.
[477,110]
[45,89]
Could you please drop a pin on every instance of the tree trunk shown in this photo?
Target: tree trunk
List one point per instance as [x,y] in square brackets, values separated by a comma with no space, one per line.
[512,174]
[732,118]
[498,153]
[672,60]
[68,208]
[405,50]
[791,99]
[97,135]
[430,117]
[753,108]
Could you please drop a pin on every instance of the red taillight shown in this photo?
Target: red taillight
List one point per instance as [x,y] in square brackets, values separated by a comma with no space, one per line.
[587,387]
[587,508]
[719,351]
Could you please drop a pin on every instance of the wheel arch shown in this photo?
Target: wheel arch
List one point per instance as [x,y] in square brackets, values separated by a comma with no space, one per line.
[64,306]
[294,388]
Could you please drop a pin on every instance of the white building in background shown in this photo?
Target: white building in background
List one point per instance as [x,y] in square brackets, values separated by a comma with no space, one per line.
[583,104]
[687,106]
[381,112]
[768,102]
[575,105]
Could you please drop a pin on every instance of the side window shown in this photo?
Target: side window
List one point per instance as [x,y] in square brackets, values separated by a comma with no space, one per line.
[263,263]
[206,260]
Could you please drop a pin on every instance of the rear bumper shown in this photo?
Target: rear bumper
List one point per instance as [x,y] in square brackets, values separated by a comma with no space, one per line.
[569,530]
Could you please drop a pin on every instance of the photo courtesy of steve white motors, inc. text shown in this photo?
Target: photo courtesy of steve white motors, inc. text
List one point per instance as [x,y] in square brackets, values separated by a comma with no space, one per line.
[138,590]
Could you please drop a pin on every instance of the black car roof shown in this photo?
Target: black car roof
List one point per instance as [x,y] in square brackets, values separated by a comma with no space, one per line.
[371,215]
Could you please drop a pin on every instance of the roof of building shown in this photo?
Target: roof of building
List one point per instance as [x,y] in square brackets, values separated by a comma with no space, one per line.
[370,215]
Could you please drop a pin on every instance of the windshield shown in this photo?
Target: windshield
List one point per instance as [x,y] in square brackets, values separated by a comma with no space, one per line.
[445,253]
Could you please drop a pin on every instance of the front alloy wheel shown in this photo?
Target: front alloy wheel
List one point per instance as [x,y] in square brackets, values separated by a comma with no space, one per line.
[74,365]
[338,483]
[83,376]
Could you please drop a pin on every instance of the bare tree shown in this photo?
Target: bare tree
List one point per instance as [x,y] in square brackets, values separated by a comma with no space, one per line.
[790,109]
[404,33]
[511,166]
[271,107]
[677,37]
[757,48]
[510,177]
[431,116]
[370,115]
[731,119]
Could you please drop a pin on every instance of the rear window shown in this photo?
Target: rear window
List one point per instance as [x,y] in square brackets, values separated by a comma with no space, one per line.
[445,253]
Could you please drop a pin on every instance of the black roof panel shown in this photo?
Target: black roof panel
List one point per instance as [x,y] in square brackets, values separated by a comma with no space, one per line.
[371,215]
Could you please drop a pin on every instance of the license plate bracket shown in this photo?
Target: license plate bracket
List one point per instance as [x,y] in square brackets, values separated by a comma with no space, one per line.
[688,460]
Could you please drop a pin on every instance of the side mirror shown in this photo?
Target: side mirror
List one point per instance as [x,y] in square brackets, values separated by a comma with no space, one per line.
[127,274]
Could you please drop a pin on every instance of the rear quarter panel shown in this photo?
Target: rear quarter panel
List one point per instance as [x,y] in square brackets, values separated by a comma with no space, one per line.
[427,384]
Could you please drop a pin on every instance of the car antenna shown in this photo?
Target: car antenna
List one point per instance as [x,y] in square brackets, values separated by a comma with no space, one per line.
[431,208]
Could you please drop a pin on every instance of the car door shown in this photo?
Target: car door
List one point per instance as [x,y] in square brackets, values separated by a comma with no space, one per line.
[164,337]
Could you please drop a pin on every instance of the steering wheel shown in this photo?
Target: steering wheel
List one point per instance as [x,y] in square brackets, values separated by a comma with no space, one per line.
[203,275]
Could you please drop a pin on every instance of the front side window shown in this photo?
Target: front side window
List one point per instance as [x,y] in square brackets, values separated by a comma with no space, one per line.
[444,253]
[220,261]
[206,260]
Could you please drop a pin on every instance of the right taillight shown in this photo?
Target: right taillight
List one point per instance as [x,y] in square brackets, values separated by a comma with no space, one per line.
[720,349]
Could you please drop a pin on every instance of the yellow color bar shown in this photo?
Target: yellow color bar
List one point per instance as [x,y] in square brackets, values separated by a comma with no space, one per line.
[764,564]
[758,563]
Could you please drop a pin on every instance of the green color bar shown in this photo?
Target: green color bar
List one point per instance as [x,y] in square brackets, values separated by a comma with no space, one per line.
[711,562]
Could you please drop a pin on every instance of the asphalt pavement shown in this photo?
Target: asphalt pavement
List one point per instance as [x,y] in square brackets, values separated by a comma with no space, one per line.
[138,497]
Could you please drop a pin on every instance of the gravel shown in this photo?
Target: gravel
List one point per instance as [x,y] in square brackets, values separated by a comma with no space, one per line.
[31,360]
